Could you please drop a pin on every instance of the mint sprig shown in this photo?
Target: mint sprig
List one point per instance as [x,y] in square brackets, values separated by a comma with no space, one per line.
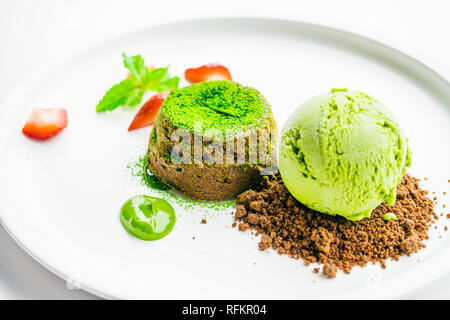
[130,91]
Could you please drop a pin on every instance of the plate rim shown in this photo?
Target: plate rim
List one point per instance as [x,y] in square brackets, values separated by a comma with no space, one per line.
[42,71]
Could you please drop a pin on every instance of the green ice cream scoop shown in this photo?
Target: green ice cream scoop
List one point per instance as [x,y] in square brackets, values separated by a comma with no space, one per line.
[343,153]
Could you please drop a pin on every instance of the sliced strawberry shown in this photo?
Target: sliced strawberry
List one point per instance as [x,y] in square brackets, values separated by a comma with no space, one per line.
[207,72]
[45,123]
[147,114]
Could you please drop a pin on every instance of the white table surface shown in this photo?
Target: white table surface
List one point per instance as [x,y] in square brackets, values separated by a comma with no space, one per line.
[35,32]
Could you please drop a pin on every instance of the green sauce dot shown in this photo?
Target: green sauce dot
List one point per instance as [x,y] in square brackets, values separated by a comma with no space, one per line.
[148,218]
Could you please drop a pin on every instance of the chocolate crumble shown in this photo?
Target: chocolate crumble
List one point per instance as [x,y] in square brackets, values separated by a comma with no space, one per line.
[293,229]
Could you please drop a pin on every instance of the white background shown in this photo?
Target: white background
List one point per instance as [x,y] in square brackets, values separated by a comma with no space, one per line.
[34,32]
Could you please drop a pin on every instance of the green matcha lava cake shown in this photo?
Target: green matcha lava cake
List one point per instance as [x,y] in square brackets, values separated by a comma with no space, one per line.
[210,141]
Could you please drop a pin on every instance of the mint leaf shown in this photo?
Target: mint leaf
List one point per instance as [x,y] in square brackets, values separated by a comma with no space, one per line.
[131,90]
[159,74]
[137,68]
[135,97]
[117,95]
[167,85]
[159,80]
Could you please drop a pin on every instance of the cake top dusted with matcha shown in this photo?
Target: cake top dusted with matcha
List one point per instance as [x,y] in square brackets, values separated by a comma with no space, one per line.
[222,105]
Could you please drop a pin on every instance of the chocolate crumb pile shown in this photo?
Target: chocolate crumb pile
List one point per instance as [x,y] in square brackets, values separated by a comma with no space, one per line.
[293,229]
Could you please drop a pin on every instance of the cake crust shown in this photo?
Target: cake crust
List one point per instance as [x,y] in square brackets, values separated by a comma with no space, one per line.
[202,179]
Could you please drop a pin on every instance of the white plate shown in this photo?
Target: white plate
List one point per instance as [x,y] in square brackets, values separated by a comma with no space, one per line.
[60,199]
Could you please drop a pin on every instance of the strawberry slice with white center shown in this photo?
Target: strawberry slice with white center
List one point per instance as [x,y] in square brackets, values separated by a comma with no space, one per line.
[147,114]
[207,72]
[45,123]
